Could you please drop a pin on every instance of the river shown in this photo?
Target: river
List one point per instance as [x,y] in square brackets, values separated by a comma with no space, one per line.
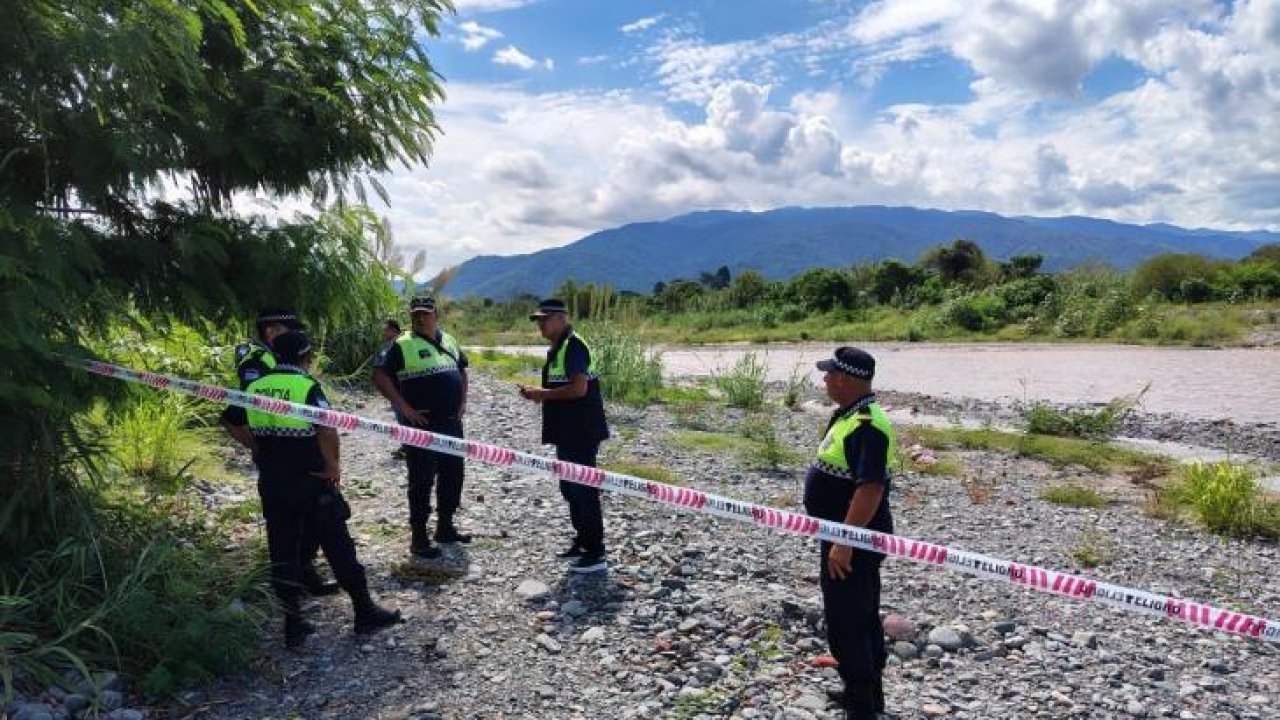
[1238,383]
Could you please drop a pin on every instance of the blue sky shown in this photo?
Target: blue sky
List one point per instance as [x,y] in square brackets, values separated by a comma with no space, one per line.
[568,116]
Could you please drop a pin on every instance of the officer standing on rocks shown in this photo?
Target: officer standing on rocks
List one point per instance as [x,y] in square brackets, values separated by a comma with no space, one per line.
[848,482]
[299,474]
[572,420]
[424,375]
[254,359]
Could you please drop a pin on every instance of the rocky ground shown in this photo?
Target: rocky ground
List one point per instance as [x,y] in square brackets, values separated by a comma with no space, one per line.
[703,618]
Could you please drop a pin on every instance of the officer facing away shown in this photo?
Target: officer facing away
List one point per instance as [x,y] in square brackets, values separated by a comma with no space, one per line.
[848,483]
[253,360]
[424,375]
[299,473]
[572,420]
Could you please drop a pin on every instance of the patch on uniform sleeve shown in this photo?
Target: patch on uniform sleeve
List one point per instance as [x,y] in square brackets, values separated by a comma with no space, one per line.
[322,403]
[251,375]
[241,351]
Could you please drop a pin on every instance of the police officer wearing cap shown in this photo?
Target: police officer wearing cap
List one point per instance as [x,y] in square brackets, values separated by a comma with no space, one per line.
[424,375]
[299,473]
[573,420]
[848,483]
[253,359]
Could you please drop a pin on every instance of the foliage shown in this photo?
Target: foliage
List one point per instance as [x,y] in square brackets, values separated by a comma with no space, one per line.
[1073,495]
[104,104]
[648,471]
[1225,497]
[1045,419]
[630,370]
[963,262]
[767,451]
[743,384]
[1059,451]
[797,383]
[1092,549]
[1174,276]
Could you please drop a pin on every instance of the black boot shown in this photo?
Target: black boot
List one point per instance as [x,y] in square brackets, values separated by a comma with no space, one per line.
[447,532]
[296,629]
[315,585]
[859,701]
[421,545]
[371,617]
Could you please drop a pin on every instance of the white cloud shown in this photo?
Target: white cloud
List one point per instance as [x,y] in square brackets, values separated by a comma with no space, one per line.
[641,25]
[476,36]
[482,6]
[1196,143]
[592,59]
[511,55]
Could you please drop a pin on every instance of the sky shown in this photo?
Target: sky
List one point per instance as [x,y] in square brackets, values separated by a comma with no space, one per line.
[564,117]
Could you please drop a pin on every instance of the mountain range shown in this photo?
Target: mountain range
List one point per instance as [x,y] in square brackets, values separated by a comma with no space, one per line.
[784,242]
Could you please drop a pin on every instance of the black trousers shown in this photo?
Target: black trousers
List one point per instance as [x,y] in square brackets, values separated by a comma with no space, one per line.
[852,609]
[428,469]
[585,511]
[295,504]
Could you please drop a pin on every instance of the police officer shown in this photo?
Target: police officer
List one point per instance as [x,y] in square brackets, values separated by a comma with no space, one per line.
[299,472]
[424,375]
[254,359]
[848,482]
[572,420]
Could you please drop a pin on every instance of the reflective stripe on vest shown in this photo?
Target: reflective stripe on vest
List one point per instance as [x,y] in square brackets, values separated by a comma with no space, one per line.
[422,358]
[288,386]
[831,459]
[255,351]
[556,372]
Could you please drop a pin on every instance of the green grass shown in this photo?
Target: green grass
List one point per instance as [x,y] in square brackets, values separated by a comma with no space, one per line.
[644,470]
[1059,451]
[1226,498]
[630,369]
[509,367]
[1092,549]
[1073,495]
[766,450]
[709,441]
[684,394]
[944,467]
[742,385]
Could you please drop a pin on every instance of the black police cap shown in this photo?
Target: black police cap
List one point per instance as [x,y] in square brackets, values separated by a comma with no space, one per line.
[851,361]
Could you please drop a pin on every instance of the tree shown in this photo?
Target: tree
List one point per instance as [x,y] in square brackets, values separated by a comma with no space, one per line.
[101,103]
[963,262]
[892,278]
[821,289]
[1175,276]
[1021,266]
[1269,253]
[748,288]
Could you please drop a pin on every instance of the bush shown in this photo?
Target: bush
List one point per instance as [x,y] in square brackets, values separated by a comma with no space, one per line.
[1226,498]
[630,370]
[767,451]
[977,312]
[743,384]
[1176,277]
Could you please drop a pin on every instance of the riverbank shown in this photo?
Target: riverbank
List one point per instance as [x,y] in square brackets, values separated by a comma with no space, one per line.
[707,618]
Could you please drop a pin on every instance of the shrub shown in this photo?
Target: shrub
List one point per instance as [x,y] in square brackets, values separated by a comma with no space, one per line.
[743,384]
[630,370]
[1044,419]
[1226,498]
[767,451]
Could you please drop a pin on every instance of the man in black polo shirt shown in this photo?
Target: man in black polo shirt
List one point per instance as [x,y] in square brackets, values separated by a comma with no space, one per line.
[299,477]
[572,420]
[424,375]
[848,483]
[254,359]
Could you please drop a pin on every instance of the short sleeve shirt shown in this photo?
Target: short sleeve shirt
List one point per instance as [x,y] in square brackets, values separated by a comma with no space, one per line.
[439,395]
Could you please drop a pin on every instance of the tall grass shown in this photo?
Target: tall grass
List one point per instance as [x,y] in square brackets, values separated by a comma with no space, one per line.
[1044,419]
[1225,497]
[743,384]
[630,369]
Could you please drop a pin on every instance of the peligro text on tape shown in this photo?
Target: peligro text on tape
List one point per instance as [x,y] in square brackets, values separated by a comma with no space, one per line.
[990,568]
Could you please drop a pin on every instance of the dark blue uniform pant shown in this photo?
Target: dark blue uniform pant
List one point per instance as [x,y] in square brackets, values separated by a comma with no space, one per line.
[426,468]
[584,501]
[295,504]
[852,609]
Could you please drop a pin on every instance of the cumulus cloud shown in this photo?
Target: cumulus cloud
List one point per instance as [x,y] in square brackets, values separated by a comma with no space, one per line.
[483,6]
[511,55]
[1196,142]
[476,36]
[641,25]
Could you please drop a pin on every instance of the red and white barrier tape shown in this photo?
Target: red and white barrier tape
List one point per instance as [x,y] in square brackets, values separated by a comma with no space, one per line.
[990,568]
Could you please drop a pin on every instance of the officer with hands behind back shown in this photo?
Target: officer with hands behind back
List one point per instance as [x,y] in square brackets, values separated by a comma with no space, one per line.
[253,359]
[299,474]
